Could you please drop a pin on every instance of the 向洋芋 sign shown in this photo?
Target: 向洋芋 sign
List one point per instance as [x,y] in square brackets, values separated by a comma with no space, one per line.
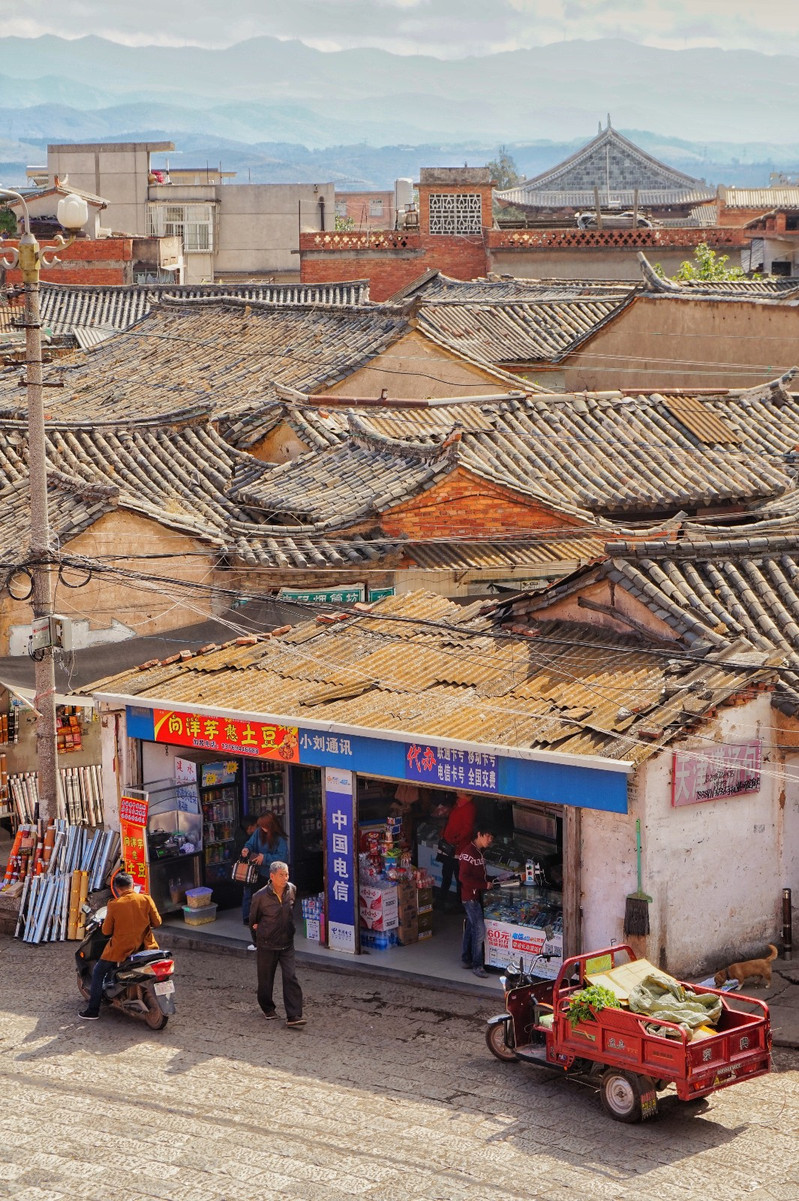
[262,740]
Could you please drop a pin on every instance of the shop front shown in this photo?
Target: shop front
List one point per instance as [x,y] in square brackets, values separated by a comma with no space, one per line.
[364,810]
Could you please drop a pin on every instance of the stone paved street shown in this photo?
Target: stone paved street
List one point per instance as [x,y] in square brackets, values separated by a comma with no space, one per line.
[389,1092]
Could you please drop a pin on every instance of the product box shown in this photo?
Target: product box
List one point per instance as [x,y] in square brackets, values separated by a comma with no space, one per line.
[378,907]
[425,934]
[408,931]
[425,921]
[377,940]
[424,900]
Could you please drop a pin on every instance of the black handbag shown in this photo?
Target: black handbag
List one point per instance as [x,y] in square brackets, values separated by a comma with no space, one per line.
[445,850]
[244,872]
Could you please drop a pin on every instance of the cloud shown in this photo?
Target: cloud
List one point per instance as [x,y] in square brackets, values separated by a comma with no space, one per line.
[443,28]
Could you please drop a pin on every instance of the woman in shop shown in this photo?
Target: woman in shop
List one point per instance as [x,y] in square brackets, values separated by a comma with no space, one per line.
[457,834]
[267,845]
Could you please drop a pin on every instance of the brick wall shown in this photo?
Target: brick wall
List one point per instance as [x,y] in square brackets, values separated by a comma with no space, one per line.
[464,506]
[86,261]
[389,261]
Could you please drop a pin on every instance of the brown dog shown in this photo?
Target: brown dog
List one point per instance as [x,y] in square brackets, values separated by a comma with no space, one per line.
[749,967]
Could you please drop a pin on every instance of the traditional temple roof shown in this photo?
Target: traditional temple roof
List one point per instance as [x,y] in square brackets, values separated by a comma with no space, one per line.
[617,168]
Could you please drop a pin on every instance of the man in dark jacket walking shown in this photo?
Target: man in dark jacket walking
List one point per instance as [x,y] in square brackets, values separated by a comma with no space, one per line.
[272,925]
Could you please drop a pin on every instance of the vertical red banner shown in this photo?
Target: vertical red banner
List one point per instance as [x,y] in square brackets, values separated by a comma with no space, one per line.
[133,831]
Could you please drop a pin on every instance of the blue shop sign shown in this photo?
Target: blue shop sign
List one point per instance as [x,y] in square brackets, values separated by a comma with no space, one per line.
[475,770]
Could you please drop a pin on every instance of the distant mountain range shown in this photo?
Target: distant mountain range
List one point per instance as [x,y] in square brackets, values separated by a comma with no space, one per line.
[280,111]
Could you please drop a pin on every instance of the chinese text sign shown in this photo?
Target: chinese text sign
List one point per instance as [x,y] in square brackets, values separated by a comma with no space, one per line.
[709,775]
[133,832]
[340,845]
[432,764]
[259,739]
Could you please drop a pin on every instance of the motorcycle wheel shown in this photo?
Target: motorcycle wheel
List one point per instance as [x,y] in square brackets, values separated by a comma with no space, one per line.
[495,1041]
[153,1017]
[83,985]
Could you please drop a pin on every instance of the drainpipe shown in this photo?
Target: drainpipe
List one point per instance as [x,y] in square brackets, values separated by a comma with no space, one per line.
[322,213]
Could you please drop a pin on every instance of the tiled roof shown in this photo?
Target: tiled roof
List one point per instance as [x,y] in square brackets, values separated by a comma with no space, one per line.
[221,356]
[422,664]
[72,508]
[741,585]
[514,331]
[538,555]
[179,475]
[765,198]
[433,285]
[93,313]
[622,198]
[604,453]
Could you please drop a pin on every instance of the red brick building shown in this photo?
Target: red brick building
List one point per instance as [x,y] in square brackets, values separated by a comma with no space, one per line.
[455,213]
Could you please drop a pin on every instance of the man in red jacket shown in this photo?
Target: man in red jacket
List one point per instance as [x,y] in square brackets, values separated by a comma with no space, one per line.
[474,883]
[458,833]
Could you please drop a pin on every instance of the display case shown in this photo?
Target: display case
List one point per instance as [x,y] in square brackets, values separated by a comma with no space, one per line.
[265,789]
[174,842]
[219,799]
[306,841]
[524,921]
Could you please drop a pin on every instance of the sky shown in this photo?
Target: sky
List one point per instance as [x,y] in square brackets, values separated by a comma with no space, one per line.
[442,28]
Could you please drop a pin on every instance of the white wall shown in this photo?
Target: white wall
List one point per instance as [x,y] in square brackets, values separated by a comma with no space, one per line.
[715,870]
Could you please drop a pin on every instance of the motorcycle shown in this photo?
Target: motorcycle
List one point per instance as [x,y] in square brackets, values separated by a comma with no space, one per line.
[141,987]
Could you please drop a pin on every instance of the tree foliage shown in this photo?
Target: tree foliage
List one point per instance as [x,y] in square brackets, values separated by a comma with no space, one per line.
[707,264]
[8,222]
[503,170]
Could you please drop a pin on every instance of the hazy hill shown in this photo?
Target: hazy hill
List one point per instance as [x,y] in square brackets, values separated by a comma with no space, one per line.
[555,91]
[279,111]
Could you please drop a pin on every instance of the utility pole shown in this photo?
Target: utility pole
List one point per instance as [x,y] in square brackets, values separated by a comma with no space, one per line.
[72,213]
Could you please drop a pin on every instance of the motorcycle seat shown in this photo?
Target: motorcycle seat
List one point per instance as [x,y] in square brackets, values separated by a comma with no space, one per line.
[141,957]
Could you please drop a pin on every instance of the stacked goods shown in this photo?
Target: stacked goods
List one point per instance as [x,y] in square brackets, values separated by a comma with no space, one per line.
[80,794]
[313,912]
[424,908]
[379,906]
[198,898]
[68,731]
[408,925]
[54,871]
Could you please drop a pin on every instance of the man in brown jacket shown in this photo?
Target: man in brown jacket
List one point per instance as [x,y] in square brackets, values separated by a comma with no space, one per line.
[129,921]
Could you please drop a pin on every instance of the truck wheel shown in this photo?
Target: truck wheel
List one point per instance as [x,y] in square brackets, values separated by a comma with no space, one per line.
[628,1097]
[495,1041]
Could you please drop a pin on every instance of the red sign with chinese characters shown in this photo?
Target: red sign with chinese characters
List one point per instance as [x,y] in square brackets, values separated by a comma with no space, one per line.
[225,734]
[133,832]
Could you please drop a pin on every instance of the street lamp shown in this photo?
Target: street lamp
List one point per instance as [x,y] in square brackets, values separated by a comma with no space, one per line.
[72,215]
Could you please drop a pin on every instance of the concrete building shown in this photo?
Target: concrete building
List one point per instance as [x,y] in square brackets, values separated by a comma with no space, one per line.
[229,231]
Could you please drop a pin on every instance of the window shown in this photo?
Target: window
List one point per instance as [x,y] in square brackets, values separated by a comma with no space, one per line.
[341,208]
[456,213]
[192,223]
[376,207]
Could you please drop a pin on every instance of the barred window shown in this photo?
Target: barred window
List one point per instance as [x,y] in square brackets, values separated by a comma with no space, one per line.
[456,213]
[192,223]
[376,208]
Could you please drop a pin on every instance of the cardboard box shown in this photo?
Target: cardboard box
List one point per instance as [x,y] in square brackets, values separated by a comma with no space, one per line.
[425,934]
[424,900]
[378,907]
[407,935]
[425,921]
